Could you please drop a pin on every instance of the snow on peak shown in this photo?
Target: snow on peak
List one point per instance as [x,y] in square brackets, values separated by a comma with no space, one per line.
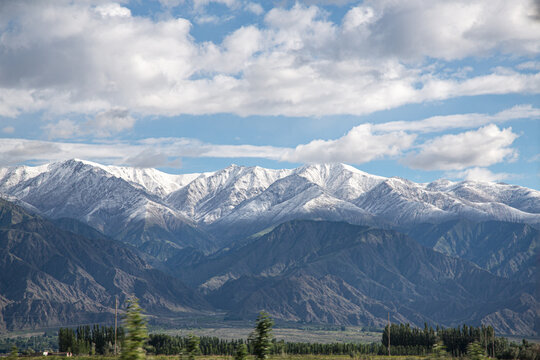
[238,192]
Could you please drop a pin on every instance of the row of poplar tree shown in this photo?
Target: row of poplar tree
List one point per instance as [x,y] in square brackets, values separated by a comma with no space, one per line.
[405,340]
[91,340]
[456,342]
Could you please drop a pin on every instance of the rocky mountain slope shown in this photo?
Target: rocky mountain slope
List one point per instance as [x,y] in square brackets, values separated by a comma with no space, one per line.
[162,213]
[509,250]
[103,199]
[233,235]
[50,276]
[327,272]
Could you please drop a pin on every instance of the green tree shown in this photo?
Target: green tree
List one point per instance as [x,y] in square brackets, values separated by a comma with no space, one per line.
[439,350]
[241,352]
[475,351]
[135,324]
[262,336]
[14,352]
[193,346]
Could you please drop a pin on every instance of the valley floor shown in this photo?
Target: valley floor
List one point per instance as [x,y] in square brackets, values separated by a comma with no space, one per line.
[217,357]
[349,335]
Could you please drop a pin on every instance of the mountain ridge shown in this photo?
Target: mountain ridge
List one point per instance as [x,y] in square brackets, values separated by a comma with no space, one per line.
[51,277]
[319,271]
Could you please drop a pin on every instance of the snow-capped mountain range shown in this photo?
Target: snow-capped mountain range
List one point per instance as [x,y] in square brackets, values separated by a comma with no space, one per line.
[147,205]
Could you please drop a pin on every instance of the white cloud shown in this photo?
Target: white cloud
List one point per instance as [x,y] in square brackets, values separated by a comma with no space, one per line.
[110,122]
[529,65]
[200,4]
[63,129]
[170,4]
[480,174]
[535,158]
[476,148]
[443,29]
[145,153]
[207,19]
[359,145]
[255,8]
[69,57]
[460,121]
[15,151]
[480,147]
[113,10]
[483,147]
[104,124]
[8,130]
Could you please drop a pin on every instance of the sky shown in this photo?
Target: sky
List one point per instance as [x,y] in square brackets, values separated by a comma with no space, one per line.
[417,89]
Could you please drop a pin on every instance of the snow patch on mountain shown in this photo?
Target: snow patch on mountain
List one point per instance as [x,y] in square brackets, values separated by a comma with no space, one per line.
[111,197]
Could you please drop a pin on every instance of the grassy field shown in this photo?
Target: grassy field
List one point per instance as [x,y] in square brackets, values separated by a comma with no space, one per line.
[216,357]
[349,335]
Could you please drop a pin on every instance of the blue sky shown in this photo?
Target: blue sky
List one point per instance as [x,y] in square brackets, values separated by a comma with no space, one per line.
[416,89]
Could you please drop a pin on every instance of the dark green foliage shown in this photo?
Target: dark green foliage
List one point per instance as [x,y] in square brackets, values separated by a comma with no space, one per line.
[137,335]
[262,335]
[87,339]
[24,344]
[14,353]
[457,339]
[472,342]
[409,341]
[241,352]
[174,345]
[475,351]
[193,346]
[439,351]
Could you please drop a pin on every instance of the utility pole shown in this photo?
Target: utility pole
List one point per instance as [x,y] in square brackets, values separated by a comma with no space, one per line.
[388,333]
[115,321]
[493,344]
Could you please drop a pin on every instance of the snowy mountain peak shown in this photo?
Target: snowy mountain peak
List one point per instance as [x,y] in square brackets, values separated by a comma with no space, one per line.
[149,179]
[236,195]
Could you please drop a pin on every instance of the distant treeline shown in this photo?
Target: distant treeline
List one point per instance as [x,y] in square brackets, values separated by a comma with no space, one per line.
[407,340]
[404,340]
[161,344]
[29,344]
[87,339]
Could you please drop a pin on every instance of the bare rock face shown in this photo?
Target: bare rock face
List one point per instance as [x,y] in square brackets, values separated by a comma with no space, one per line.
[210,210]
[50,276]
[506,249]
[326,272]
[470,253]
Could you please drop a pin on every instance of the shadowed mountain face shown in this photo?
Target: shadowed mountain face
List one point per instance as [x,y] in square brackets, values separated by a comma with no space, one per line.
[162,213]
[50,276]
[345,274]
[506,249]
[200,228]
[121,209]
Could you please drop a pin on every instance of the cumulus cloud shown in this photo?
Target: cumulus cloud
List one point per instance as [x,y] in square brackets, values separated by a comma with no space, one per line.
[359,145]
[479,148]
[109,122]
[480,174]
[255,8]
[90,56]
[200,4]
[460,121]
[15,151]
[62,129]
[104,124]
